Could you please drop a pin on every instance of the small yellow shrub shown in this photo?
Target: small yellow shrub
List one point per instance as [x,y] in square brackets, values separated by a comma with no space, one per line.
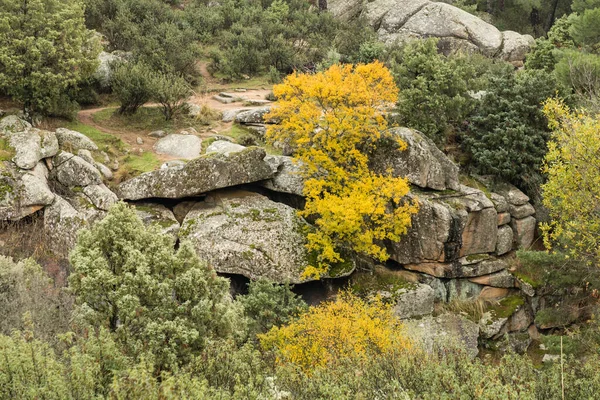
[348,327]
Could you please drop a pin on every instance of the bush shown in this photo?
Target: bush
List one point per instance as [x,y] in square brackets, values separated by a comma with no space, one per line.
[133,86]
[170,92]
[508,131]
[581,73]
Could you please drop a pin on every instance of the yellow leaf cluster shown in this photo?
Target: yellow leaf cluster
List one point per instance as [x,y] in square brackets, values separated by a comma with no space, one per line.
[349,327]
[334,120]
[572,192]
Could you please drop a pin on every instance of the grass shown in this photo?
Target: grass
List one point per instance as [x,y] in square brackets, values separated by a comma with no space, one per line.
[366,284]
[472,182]
[144,162]
[6,151]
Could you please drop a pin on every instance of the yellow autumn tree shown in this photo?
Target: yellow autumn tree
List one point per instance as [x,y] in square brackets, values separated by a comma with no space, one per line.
[333,121]
[347,328]
[572,192]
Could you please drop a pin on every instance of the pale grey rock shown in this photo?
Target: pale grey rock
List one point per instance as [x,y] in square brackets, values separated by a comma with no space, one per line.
[522,211]
[174,164]
[193,111]
[504,243]
[158,134]
[426,239]
[253,116]
[72,170]
[245,233]
[439,289]
[550,358]
[514,342]
[490,325]
[224,147]
[100,196]
[288,177]
[224,100]
[502,279]
[72,141]
[201,175]
[525,288]
[520,320]
[158,215]
[500,203]
[229,115]
[346,10]
[23,192]
[414,302]
[30,145]
[447,331]
[462,289]
[179,146]
[422,162]
[139,141]
[255,102]
[524,231]
[104,170]
[512,195]
[105,61]
[13,123]
[458,270]
[86,155]
[515,46]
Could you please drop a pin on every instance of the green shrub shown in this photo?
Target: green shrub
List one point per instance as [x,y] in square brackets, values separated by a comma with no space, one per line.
[133,86]
[170,91]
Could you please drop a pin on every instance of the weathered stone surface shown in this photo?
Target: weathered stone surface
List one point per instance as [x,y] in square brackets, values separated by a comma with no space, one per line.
[504,243]
[23,192]
[515,46]
[520,321]
[229,115]
[224,100]
[158,134]
[103,72]
[100,196]
[503,218]
[458,270]
[246,233]
[30,145]
[445,331]
[345,10]
[288,178]
[72,141]
[72,170]
[500,203]
[490,325]
[201,175]
[439,289]
[86,155]
[422,162]
[253,116]
[522,211]
[159,215]
[462,289]
[493,293]
[502,279]
[12,123]
[179,146]
[525,288]
[413,302]
[181,210]
[514,342]
[104,170]
[224,147]
[426,239]
[513,195]
[524,230]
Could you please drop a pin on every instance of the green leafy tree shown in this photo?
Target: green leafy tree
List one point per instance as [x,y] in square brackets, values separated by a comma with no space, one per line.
[158,302]
[268,304]
[132,83]
[572,192]
[45,49]
[170,91]
[508,132]
[586,29]
[580,72]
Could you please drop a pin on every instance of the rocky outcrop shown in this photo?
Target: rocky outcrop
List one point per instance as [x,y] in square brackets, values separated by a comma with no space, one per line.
[287,175]
[203,174]
[23,192]
[414,301]
[252,116]
[28,144]
[73,141]
[158,215]
[224,147]
[71,170]
[245,233]
[402,20]
[422,163]
[186,147]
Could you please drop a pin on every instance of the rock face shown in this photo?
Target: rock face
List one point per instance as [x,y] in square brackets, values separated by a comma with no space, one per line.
[159,215]
[72,141]
[72,170]
[422,162]
[206,173]
[224,147]
[179,146]
[245,233]
[288,178]
[30,145]
[254,116]
[23,192]
[403,20]
[414,302]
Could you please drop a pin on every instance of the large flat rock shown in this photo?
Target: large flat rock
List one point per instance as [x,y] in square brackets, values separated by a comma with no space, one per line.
[201,175]
[179,146]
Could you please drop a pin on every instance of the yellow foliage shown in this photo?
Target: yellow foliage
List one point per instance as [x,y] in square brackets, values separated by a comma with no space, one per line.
[572,192]
[349,327]
[333,120]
